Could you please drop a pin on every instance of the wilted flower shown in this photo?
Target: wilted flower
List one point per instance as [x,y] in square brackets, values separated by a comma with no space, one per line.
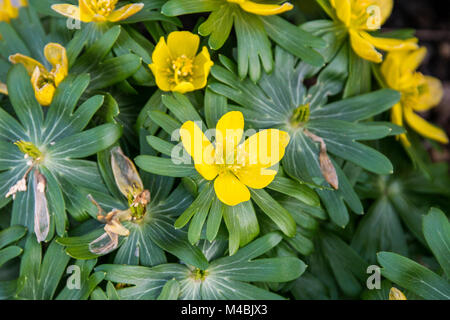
[419,92]
[395,294]
[45,82]
[233,165]
[130,185]
[97,10]
[177,67]
[360,16]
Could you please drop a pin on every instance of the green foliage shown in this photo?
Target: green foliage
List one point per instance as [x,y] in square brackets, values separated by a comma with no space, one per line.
[72,216]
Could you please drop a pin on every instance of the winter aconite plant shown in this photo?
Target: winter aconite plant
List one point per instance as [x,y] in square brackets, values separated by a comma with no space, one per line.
[218,149]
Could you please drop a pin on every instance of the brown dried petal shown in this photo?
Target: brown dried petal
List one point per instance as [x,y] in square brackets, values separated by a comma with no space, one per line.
[41,214]
[326,166]
[104,244]
[125,173]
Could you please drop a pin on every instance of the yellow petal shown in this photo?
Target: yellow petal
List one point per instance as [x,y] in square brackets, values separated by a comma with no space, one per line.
[229,130]
[125,12]
[386,7]
[264,149]
[396,115]
[391,70]
[3,89]
[161,77]
[343,10]
[202,66]
[29,63]
[57,56]
[183,43]
[256,177]
[410,60]
[44,92]
[431,94]
[364,48]
[263,9]
[86,13]
[161,65]
[69,11]
[183,87]
[230,190]
[423,127]
[397,118]
[9,10]
[390,44]
[200,149]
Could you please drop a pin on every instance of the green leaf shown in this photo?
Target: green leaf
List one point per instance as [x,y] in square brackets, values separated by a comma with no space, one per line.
[11,235]
[414,277]
[295,190]
[379,230]
[166,122]
[88,281]
[114,70]
[214,219]
[253,45]
[22,98]
[181,7]
[39,281]
[86,143]
[360,76]
[358,108]
[348,268]
[164,166]
[274,211]
[436,230]
[202,202]
[9,253]
[97,52]
[181,107]
[218,26]
[242,225]
[170,291]
[294,39]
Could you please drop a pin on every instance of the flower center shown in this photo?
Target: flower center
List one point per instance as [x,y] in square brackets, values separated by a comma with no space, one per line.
[300,115]
[138,203]
[29,149]
[199,275]
[233,161]
[44,79]
[183,69]
[103,7]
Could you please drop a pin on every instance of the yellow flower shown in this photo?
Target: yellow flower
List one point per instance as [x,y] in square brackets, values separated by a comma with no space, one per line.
[360,16]
[45,82]
[9,9]
[395,294]
[263,9]
[235,166]
[176,66]
[418,92]
[3,89]
[97,10]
